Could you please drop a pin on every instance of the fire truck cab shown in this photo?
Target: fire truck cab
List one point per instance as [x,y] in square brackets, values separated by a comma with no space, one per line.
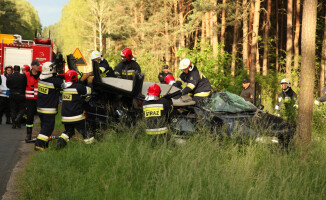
[15,51]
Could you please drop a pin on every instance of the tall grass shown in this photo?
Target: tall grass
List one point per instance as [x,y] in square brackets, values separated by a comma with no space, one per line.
[125,165]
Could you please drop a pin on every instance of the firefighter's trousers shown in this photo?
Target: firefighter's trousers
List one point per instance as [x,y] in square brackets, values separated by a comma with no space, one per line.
[47,123]
[80,126]
[30,112]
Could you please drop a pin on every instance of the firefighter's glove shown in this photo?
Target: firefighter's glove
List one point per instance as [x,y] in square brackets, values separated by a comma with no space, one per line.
[177,84]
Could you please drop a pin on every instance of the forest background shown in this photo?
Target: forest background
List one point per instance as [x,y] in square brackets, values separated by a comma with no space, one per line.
[220,37]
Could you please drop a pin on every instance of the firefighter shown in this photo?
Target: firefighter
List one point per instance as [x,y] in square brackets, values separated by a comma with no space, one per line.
[247,93]
[286,100]
[72,111]
[31,96]
[128,66]
[25,69]
[103,64]
[164,73]
[49,87]
[195,81]
[156,112]
[17,84]
[4,95]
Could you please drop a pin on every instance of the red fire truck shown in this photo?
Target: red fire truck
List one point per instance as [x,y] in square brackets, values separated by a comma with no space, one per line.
[15,51]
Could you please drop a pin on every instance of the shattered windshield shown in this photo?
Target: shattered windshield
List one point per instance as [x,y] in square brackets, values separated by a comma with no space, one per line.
[228,102]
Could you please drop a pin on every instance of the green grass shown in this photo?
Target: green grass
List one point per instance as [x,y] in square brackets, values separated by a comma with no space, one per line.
[125,165]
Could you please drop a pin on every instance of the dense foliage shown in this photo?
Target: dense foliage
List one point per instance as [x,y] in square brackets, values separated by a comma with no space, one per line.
[19,17]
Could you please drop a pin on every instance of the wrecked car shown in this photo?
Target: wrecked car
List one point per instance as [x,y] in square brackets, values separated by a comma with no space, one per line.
[222,114]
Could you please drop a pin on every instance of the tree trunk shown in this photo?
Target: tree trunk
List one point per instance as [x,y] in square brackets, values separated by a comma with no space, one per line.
[167,37]
[235,41]
[296,41]
[255,29]
[251,14]
[203,34]
[245,36]
[257,58]
[309,21]
[214,36]
[181,22]
[208,28]
[266,37]
[223,26]
[289,42]
[277,67]
[323,60]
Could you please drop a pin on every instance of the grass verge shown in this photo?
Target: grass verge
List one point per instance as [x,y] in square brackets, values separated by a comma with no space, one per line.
[125,165]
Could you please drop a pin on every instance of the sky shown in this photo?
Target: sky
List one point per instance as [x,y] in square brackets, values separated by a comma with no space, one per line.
[49,11]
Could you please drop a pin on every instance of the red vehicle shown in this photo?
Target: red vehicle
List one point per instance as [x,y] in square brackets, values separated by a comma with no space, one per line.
[15,51]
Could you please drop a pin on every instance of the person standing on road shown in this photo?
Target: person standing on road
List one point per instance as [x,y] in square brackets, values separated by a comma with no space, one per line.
[31,92]
[247,93]
[72,112]
[49,87]
[4,95]
[17,84]
[157,113]
[164,73]
[196,82]
[128,66]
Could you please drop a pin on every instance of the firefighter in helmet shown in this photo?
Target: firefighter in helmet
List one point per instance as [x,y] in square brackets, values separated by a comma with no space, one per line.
[103,64]
[49,87]
[4,95]
[72,111]
[286,101]
[17,85]
[196,82]
[156,112]
[31,97]
[164,73]
[128,66]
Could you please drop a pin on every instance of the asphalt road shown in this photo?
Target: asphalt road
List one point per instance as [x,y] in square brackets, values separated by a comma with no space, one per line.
[10,142]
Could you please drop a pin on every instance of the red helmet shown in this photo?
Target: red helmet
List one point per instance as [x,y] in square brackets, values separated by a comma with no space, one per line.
[168,79]
[27,68]
[71,76]
[154,90]
[127,53]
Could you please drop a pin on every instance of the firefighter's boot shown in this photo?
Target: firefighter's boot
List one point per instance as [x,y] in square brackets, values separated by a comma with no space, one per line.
[29,134]
[62,141]
[42,142]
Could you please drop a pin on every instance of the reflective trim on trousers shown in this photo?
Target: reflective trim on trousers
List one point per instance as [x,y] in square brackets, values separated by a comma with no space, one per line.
[73,118]
[43,137]
[156,131]
[64,136]
[202,94]
[47,110]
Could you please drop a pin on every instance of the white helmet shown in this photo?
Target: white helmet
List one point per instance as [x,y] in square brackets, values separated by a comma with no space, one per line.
[48,69]
[95,54]
[286,81]
[184,63]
